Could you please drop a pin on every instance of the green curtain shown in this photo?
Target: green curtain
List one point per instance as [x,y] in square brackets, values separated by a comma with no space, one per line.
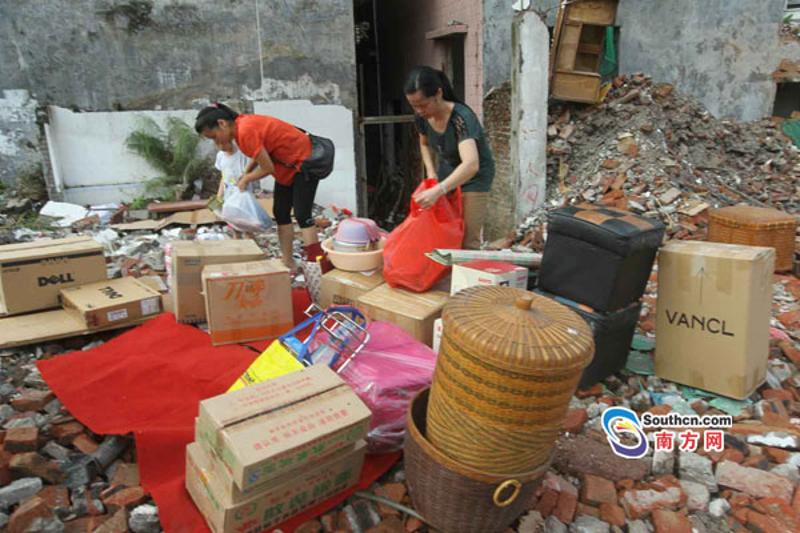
[609,65]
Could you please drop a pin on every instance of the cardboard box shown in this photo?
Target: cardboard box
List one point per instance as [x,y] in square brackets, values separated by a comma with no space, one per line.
[268,429]
[340,287]
[32,273]
[188,260]
[229,493]
[247,301]
[277,501]
[438,328]
[412,312]
[483,272]
[115,301]
[713,315]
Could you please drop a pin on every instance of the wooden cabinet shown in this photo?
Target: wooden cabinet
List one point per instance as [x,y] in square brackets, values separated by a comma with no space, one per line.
[578,41]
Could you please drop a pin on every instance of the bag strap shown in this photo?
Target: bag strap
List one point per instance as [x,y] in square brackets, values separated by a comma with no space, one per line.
[287,165]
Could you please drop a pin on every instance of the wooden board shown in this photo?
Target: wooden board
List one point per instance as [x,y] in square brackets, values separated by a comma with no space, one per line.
[568,47]
[599,12]
[576,87]
[47,326]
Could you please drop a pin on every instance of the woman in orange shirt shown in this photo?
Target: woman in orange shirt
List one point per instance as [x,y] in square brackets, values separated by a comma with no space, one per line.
[278,148]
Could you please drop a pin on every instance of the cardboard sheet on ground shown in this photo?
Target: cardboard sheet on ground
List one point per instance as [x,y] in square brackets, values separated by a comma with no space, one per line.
[46,326]
[197,217]
[149,381]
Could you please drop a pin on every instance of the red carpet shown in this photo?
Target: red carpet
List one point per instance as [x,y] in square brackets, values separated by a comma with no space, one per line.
[148,381]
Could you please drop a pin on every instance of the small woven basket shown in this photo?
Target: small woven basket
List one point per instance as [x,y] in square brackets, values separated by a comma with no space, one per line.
[756,226]
[454,498]
[508,365]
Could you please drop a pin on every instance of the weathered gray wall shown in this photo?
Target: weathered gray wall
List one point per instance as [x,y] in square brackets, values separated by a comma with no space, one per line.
[722,52]
[497,19]
[19,135]
[171,54]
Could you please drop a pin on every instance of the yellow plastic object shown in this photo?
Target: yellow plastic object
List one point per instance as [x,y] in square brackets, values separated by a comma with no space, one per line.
[274,362]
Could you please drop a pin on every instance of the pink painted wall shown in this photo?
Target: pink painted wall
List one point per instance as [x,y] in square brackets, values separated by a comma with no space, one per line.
[403,27]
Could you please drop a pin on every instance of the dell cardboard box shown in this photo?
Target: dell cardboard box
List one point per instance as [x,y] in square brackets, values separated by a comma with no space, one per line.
[32,273]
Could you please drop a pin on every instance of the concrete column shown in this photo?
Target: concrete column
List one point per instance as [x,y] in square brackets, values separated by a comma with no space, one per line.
[529,84]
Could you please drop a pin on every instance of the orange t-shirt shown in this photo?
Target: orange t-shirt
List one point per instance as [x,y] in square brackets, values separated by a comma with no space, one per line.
[285,144]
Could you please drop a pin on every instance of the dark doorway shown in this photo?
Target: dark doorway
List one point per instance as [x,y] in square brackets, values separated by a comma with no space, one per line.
[787,100]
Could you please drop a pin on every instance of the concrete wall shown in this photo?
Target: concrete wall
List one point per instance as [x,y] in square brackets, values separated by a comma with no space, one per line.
[497,19]
[721,52]
[91,164]
[106,54]
[103,55]
[405,23]
[334,122]
[19,135]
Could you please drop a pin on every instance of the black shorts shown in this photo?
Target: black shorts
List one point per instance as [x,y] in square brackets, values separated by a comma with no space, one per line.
[300,196]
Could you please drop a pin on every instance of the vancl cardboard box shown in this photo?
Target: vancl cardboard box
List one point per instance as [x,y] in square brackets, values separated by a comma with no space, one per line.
[114,301]
[32,273]
[189,258]
[340,287]
[483,272]
[277,501]
[412,312]
[713,315]
[247,301]
[265,430]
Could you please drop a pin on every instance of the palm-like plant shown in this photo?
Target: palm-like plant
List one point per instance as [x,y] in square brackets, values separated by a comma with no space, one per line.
[173,152]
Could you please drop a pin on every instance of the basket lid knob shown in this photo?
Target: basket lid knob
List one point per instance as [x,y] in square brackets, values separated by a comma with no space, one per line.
[524,302]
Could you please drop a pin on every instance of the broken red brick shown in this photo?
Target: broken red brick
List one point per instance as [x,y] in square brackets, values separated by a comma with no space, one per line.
[610,164]
[125,498]
[56,497]
[776,455]
[21,440]
[412,524]
[126,474]
[31,464]
[65,433]
[26,513]
[547,502]
[575,420]
[594,390]
[660,410]
[625,484]
[753,481]
[791,353]
[391,491]
[565,507]
[587,510]
[796,500]
[765,524]
[392,524]
[116,524]
[790,319]
[640,503]
[85,444]
[613,514]
[88,524]
[32,400]
[775,414]
[670,522]
[596,490]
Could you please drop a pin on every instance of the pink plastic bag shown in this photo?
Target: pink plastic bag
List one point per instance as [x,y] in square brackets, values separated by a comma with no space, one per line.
[386,375]
[424,230]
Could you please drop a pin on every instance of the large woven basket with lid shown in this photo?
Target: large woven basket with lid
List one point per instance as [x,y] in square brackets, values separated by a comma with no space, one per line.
[756,226]
[508,365]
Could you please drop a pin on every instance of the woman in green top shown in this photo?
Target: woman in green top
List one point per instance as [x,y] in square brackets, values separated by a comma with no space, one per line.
[450,130]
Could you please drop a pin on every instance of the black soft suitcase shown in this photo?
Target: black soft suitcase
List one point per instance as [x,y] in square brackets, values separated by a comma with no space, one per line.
[599,256]
[613,335]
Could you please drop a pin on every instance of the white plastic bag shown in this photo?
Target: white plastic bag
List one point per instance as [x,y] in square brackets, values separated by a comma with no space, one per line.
[242,211]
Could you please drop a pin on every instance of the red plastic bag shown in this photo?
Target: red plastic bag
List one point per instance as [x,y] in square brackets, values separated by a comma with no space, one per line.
[424,230]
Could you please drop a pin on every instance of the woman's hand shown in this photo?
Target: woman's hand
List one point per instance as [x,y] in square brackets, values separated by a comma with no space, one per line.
[242,182]
[425,199]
